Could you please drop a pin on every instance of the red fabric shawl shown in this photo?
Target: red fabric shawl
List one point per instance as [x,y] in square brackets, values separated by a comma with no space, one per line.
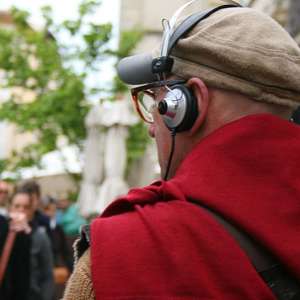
[154,244]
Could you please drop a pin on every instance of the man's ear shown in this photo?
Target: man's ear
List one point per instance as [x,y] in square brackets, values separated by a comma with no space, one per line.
[201,94]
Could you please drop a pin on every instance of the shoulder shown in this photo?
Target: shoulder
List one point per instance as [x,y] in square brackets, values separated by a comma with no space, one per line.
[40,237]
[3,230]
[42,218]
[3,224]
[82,243]
[3,219]
[159,211]
[144,222]
[79,285]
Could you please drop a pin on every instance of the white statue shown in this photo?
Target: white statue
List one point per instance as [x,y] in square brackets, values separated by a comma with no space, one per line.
[117,118]
[93,161]
[105,155]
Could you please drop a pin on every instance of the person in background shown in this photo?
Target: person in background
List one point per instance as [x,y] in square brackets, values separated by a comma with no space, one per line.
[61,252]
[32,188]
[4,194]
[41,258]
[69,217]
[16,281]
[62,205]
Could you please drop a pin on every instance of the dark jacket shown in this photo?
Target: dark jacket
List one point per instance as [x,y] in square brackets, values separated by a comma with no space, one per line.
[61,252]
[41,267]
[15,284]
[41,220]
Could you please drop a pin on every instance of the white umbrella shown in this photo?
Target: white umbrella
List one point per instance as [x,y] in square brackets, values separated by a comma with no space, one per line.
[117,118]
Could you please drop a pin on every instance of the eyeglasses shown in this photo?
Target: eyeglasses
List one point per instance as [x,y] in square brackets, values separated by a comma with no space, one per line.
[145,97]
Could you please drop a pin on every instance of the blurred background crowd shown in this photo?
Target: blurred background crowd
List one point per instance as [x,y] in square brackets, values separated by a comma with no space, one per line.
[40,257]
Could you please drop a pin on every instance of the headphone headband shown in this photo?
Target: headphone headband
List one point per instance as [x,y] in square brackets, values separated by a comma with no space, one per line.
[190,22]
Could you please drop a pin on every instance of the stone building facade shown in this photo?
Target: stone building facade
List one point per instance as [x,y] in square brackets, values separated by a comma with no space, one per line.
[147,15]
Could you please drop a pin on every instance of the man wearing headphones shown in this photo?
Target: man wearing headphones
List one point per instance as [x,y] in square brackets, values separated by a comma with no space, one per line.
[223,223]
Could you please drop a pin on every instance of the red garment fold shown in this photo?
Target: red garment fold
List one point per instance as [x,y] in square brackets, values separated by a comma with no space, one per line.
[155,244]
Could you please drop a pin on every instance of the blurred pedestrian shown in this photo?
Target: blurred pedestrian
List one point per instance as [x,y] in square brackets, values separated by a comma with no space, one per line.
[32,188]
[41,259]
[16,281]
[62,205]
[62,254]
[72,220]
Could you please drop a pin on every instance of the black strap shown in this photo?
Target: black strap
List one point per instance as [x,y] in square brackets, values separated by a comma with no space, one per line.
[283,285]
[190,22]
[260,258]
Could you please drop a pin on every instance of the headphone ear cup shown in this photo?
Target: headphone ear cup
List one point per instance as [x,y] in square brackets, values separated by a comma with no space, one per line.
[186,112]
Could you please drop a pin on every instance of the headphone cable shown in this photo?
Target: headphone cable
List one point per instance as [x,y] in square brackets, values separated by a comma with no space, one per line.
[173,135]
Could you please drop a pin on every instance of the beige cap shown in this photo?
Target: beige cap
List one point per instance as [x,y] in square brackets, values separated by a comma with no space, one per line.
[242,50]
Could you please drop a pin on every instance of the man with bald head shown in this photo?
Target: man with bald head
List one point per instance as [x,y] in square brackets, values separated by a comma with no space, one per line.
[223,222]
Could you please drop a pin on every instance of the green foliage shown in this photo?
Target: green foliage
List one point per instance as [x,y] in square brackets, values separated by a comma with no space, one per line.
[37,64]
[128,41]
[20,18]
[51,65]
[136,142]
[88,7]
[2,164]
[72,196]
[96,38]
